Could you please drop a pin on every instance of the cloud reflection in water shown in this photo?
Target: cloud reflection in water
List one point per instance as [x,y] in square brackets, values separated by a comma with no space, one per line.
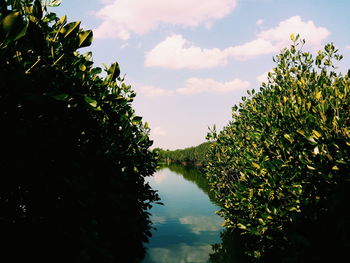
[199,224]
[180,253]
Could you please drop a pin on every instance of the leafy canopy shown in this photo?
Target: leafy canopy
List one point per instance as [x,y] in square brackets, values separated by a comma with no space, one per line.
[73,153]
[281,166]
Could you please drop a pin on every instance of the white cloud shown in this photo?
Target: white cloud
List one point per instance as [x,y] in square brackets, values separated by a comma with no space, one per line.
[192,86]
[151,91]
[175,52]
[157,179]
[259,22]
[280,35]
[200,224]
[348,47]
[207,85]
[157,220]
[180,253]
[121,18]
[251,49]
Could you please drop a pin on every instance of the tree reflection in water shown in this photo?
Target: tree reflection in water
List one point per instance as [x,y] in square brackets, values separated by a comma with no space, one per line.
[228,250]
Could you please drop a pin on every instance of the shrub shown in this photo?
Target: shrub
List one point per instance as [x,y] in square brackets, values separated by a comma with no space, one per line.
[73,154]
[190,155]
[281,166]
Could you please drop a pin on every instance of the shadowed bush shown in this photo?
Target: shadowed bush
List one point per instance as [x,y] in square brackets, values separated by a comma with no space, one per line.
[73,154]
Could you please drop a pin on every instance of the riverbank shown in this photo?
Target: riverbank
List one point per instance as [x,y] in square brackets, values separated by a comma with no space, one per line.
[192,156]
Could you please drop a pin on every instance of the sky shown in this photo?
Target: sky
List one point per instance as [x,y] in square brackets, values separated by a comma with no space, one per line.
[191,61]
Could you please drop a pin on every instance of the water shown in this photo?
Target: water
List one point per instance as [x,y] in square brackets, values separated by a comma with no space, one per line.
[186,225]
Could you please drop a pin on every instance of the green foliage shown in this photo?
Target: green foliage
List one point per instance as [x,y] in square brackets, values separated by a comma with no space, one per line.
[192,155]
[73,154]
[280,168]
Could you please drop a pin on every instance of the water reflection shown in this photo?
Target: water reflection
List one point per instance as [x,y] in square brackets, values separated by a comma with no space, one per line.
[187,225]
[180,253]
[229,250]
[195,176]
[199,224]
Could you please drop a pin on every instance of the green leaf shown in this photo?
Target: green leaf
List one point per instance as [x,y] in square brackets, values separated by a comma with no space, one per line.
[289,138]
[257,166]
[14,26]
[90,101]
[114,71]
[85,38]
[70,28]
[96,71]
[261,221]
[311,140]
[310,167]
[55,3]
[59,97]
[62,20]
[137,118]
[316,134]
[82,67]
[37,9]
[240,226]
[292,37]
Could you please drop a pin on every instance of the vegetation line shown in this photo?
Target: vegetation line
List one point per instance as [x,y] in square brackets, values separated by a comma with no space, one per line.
[194,156]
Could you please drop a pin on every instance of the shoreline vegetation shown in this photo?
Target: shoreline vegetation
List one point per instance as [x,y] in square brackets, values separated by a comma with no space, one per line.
[195,156]
[280,168]
[74,155]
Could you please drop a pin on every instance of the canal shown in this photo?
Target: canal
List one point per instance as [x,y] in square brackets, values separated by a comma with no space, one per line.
[186,226]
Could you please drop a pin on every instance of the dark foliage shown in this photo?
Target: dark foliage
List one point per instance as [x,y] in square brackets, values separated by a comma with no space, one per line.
[73,154]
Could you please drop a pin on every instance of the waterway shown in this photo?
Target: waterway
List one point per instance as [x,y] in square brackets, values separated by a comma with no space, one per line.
[186,226]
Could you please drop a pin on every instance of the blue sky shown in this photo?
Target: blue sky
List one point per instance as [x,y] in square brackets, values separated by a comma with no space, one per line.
[190,61]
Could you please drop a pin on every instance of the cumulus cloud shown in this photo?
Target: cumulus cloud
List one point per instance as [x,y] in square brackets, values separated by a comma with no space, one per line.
[151,91]
[192,86]
[176,52]
[251,49]
[121,18]
[207,85]
[280,35]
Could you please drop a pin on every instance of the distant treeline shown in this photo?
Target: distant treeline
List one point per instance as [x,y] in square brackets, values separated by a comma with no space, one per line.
[192,155]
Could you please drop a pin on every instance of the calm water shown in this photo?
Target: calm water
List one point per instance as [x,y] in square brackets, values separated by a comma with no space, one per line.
[186,225]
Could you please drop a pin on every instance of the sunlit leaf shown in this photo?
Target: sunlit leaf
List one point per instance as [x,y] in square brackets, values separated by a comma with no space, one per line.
[55,3]
[85,38]
[70,28]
